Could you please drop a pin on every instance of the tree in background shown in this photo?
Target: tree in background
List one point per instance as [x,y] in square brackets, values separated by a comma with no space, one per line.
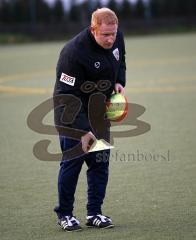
[126,11]
[184,8]
[43,11]
[22,11]
[113,5]
[139,9]
[36,12]
[57,11]
[5,12]
[172,9]
[154,8]
[85,13]
[95,5]
[74,13]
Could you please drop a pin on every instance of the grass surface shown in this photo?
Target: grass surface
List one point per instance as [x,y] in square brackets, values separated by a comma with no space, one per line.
[151,192]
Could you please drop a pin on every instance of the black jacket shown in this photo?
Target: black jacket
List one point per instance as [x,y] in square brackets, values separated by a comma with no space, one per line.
[85,68]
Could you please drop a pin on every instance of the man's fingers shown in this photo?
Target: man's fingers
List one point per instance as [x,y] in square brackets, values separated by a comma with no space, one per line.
[91,142]
[119,89]
[87,142]
[122,91]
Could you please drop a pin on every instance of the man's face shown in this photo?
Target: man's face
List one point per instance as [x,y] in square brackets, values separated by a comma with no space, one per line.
[105,35]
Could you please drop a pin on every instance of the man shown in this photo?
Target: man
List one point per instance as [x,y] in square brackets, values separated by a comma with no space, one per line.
[91,63]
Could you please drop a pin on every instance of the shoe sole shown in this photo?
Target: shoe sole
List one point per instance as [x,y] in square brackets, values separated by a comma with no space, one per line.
[77,230]
[110,226]
[66,230]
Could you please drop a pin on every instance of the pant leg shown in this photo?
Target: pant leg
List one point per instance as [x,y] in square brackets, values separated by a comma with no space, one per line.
[97,178]
[67,179]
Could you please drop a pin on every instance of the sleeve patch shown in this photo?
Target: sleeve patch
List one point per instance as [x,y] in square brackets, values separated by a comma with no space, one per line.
[67,79]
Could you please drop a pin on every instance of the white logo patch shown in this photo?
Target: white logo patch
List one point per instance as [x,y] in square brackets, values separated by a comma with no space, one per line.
[116,54]
[67,79]
[97,64]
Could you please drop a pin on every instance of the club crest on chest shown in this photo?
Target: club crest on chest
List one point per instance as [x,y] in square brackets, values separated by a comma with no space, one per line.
[116,54]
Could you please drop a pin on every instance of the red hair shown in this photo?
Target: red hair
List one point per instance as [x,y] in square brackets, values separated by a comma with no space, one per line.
[103,15]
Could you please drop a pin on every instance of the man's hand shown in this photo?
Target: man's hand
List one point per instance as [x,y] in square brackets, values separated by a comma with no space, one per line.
[87,141]
[118,88]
